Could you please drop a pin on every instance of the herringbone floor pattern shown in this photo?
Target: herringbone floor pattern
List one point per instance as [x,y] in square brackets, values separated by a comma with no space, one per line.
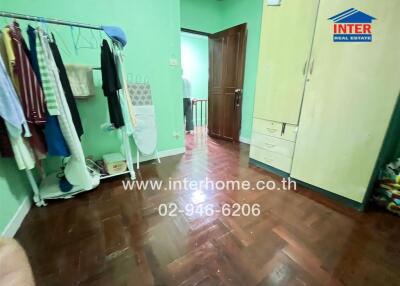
[115,237]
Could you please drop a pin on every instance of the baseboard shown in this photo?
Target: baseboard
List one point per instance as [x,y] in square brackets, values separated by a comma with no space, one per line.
[161,154]
[14,224]
[171,152]
[244,140]
[345,201]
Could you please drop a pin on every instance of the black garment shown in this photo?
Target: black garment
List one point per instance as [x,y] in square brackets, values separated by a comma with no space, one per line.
[67,88]
[32,53]
[111,85]
[5,145]
[188,114]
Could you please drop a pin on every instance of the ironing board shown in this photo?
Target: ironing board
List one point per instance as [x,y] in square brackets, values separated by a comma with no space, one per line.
[145,131]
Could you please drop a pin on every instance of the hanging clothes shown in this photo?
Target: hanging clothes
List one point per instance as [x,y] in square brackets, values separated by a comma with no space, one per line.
[5,144]
[31,94]
[81,79]
[75,170]
[10,106]
[21,150]
[8,55]
[47,79]
[56,145]
[55,141]
[111,85]
[33,53]
[67,88]
[126,104]
[29,89]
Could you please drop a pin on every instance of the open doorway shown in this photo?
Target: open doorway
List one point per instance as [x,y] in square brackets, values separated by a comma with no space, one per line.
[195,66]
[216,61]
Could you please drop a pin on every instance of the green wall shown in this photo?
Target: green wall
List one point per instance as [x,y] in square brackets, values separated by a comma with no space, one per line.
[212,16]
[201,15]
[13,190]
[153,31]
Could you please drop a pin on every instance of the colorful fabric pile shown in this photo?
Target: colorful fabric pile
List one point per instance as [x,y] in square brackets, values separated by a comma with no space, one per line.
[387,192]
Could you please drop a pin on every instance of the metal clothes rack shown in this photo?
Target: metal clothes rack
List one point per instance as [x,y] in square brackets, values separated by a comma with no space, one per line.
[37,197]
[49,20]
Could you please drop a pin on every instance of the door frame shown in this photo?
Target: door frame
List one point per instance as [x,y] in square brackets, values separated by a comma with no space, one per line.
[238,123]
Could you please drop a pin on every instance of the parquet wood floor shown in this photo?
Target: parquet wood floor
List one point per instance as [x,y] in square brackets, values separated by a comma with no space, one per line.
[114,237]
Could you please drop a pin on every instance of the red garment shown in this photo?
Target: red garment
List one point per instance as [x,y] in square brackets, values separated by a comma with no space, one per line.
[37,140]
[31,94]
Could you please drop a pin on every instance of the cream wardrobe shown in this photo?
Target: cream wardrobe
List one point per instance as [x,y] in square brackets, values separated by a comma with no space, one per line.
[322,108]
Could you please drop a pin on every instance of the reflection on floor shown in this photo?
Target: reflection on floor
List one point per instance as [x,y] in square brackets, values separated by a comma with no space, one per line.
[116,237]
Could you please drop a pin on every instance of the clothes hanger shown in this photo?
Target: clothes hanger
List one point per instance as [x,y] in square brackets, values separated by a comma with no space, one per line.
[64,46]
[44,26]
[87,44]
[73,39]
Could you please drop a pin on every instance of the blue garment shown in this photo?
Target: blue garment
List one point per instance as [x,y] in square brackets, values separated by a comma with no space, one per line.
[32,53]
[55,141]
[64,185]
[10,106]
[116,33]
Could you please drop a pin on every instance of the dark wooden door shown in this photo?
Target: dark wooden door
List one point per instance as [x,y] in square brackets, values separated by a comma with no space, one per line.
[225,88]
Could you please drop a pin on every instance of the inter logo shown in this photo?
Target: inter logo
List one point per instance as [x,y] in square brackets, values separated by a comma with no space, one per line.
[352,26]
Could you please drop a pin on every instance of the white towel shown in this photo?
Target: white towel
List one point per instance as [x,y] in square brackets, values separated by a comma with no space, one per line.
[81,80]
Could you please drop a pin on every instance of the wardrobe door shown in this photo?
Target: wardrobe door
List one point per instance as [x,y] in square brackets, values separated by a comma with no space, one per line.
[349,100]
[285,45]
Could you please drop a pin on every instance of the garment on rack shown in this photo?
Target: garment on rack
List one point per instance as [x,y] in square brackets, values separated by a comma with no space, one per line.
[56,145]
[10,106]
[126,104]
[81,79]
[38,141]
[47,79]
[31,94]
[111,85]
[29,90]
[8,56]
[55,141]
[5,144]
[21,150]
[67,88]
[33,53]
[75,170]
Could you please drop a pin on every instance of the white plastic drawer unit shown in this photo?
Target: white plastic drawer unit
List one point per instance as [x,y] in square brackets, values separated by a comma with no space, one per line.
[275,129]
[271,158]
[273,144]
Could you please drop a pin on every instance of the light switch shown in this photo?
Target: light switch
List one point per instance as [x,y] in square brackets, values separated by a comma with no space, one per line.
[173,62]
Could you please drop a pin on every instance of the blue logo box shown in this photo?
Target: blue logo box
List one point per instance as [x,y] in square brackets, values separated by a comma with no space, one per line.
[352,38]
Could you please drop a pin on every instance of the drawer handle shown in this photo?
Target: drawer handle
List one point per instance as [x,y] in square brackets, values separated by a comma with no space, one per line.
[270,145]
[268,159]
[271,130]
